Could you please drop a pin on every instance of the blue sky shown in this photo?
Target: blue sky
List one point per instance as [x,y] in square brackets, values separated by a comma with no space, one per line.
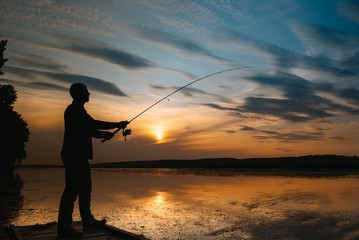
[299,96]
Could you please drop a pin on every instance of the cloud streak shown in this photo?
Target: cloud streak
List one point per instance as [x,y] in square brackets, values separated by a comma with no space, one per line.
[285,60]
[35,61]
[191,92]
[45,85]
[304,99]
[93,83]
[113,56]
[175,41]
[350,10]
[299,101]
[295,136]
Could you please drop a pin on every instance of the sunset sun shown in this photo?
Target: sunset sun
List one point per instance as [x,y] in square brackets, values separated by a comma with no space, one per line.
[158,132]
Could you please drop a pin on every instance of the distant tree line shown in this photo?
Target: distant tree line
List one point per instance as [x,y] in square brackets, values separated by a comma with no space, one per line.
[309,162]
[14,131]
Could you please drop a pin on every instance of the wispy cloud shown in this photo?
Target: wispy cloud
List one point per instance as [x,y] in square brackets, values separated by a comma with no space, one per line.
[34,61]
[35,85]
[319,39]
[219,107]
[114,56]
[285,60]
[350,10]
[79,45]
[45,85]
[174,41]
[299,101]
[333,55]
[351,94]
[93,83]
[286,109]
[294,136]
[191,92]
[82,17]
[101,51]
[55,15]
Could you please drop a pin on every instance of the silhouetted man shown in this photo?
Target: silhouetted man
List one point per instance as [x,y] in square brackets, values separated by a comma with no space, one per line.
[80,127]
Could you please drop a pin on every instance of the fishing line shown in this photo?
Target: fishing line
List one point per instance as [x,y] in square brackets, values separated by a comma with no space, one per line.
[128,131]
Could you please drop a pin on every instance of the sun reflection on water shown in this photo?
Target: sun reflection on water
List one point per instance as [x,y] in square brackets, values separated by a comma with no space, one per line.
[159,199]
[158,203]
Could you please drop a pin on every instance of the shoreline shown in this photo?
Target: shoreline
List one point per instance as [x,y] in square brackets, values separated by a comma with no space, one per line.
[327,165]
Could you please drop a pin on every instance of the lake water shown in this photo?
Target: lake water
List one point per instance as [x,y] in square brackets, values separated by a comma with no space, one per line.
[171,204]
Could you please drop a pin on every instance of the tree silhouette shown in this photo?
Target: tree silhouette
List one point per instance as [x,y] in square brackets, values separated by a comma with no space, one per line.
[14,132]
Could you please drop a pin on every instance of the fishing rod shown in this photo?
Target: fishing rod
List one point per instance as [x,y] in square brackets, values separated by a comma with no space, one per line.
[128,131]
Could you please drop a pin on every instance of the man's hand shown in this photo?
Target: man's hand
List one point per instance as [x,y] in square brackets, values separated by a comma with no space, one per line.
[107,136]
[122,124]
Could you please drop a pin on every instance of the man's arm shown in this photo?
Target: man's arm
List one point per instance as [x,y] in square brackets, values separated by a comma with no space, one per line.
[106,125]
[97,124]
[109,125]
[102,134]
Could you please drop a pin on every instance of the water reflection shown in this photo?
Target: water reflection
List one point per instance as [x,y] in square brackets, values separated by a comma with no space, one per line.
[11,199]
[177,206]
[158,201]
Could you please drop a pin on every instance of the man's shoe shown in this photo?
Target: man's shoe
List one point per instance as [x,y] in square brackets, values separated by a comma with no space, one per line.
[69,233]
[91,224]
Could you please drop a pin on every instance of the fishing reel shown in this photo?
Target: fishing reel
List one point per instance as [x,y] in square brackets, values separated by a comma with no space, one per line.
[126,132]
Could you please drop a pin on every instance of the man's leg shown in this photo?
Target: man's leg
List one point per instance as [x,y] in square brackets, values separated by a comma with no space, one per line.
[85,194]
[88,220]
[73,181]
